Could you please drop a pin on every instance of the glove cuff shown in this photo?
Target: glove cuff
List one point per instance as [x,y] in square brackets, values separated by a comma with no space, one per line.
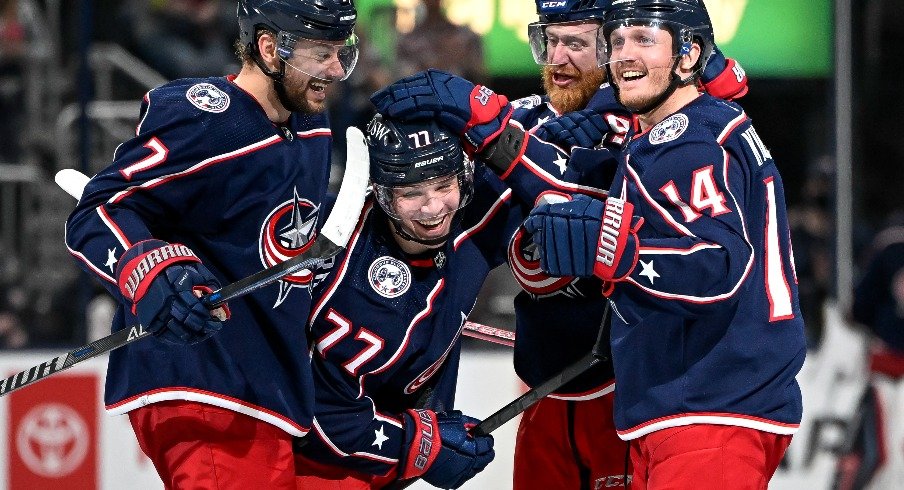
[617,250]
[423,443]
[502,153]
[141,263]
[731,84]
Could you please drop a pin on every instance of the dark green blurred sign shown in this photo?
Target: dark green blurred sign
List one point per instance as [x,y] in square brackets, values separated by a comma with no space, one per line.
[771,38]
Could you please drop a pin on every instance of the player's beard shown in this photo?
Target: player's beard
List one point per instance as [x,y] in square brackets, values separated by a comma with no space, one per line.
[640,98]
[576,97]
[294,95]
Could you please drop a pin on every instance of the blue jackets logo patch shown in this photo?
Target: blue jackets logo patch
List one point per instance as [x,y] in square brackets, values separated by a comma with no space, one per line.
[668,129]
[389,277]
[287,231]
[207,97]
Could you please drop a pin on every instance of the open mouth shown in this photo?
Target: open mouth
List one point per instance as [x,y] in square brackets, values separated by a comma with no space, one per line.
[563,79]
[631,75]
[431,224]
[318,87]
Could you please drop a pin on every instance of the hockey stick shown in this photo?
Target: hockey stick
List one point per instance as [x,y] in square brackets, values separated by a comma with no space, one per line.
[527,400]
[333,238]
[73,182]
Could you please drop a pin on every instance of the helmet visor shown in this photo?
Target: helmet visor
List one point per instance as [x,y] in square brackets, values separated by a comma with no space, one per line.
[325,60]
[432,199]
[625,39]
[555,43]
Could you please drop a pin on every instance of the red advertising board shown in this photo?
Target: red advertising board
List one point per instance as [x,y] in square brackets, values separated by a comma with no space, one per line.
[53,434]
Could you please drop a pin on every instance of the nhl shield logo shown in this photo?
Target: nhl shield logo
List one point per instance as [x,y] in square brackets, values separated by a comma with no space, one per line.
[389,277]
[668,129]
[208,97]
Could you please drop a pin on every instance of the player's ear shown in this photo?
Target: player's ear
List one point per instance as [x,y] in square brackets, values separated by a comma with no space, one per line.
[689,61]
[266,46]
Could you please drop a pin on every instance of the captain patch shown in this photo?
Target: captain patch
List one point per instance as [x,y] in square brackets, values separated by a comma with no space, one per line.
[668,129]
[207,97]
[389,277]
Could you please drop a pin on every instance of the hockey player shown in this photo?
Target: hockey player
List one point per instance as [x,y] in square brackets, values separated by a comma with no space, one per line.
[385,329]
[568,439]
[224,178]
[694,250]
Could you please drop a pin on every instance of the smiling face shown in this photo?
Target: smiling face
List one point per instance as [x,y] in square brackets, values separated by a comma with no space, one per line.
[641,62]
[311,67]
[425,210]
[572,75]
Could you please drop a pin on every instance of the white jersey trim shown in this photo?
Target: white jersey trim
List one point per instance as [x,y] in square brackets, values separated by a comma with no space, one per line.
[208,398]
[736,420]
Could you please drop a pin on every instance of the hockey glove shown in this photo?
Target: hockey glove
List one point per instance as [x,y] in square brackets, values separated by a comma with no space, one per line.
[162,282]
[585,129]
[473,111]
[724,78]
[439,449]
[583,238]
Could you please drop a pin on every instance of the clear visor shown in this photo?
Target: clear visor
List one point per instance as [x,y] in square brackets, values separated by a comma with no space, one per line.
[625,40]
[553,43]
[431,199]
[330,61]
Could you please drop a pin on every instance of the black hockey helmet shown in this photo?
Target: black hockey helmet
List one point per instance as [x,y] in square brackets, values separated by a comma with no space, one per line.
[687,20]
[326,20]
[410,153]
[561,12]
[558,11]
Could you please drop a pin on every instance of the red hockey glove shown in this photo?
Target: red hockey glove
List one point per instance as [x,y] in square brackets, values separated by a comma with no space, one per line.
[617,248]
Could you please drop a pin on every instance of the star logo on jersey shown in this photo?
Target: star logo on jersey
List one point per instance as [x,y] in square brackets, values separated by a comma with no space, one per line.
[648,271]
[379,438]
[111,259]
[562,163]
[289,230]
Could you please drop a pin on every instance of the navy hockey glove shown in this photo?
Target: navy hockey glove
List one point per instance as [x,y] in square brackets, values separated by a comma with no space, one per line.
[723,77]
[583,237]
[585,129]
[440,450]
[162,281]
[473,111]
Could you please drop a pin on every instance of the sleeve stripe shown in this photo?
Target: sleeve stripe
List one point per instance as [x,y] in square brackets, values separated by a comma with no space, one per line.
[103,275]
[677,251]
[561,184]
[197,167]
[311,133]
[732,125]
[483,221]
[116,230]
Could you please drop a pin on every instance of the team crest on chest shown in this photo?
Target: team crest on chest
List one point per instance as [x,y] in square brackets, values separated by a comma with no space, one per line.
[389,277]
[668,129]
[208,97]
[288,230]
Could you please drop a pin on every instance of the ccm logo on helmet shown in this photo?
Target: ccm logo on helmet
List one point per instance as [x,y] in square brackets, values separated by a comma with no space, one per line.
[547,5]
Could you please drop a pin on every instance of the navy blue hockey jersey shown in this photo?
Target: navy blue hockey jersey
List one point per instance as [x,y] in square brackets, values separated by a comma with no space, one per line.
[547,339]
[208,169]
[385,328]
[707,328]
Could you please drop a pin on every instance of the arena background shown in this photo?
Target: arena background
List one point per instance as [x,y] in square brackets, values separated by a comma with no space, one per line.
[824,80]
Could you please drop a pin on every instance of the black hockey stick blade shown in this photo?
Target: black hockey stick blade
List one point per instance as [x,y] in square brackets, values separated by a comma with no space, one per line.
[335,234]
